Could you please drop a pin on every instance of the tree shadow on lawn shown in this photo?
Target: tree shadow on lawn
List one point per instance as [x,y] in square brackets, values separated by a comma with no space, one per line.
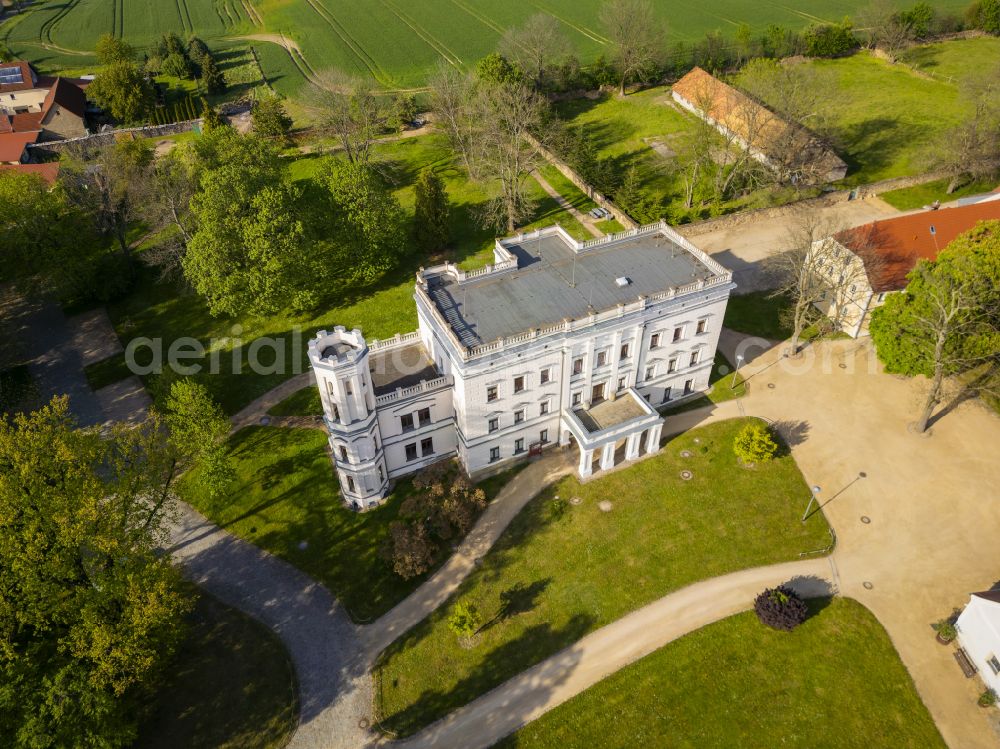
[517,599]
[875,144]
[534,646]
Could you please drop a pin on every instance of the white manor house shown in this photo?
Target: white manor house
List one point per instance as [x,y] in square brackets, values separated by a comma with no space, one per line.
[558,342]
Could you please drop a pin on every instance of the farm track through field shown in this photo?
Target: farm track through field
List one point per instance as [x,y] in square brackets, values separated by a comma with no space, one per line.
[294,52]
[808,16]
[252,13]
[482,18]
[45,30]
[219,14]
[589,33]
[436,44]
[364,58]
[185,14]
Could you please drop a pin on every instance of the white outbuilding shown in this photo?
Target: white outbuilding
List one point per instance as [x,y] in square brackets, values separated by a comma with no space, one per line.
[979,635]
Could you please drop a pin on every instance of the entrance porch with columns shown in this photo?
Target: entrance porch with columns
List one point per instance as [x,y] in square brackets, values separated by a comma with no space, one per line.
[614,431]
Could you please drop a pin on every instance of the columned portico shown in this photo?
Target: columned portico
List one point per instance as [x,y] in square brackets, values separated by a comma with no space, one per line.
[600,428]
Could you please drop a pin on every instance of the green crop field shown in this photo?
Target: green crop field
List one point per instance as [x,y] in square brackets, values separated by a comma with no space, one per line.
[393,41]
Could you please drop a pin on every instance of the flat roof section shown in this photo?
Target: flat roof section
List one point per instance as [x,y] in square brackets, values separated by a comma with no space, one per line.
[400,367]
[553,282]
[609,413]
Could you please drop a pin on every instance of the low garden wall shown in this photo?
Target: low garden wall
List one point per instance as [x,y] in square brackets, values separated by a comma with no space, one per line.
[100,140]
[838,196]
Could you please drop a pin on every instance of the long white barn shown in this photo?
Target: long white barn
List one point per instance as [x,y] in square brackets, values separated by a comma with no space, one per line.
[557,342]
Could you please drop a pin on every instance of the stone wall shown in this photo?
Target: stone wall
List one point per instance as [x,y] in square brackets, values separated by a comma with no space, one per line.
[838,196]
[100,140]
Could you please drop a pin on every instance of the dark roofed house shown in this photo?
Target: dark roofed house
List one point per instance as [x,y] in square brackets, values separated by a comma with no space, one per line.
[792,150]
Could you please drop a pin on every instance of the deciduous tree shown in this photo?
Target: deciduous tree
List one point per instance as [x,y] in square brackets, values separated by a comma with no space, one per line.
[198,432]
[503,115]
[122,90]
[89,610]
[112,187]
[947,321]
[110,49]
[360,225]
[637,38]
[538,48]
[355,112]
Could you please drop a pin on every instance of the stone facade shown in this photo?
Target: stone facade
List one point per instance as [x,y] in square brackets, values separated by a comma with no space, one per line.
[592,378]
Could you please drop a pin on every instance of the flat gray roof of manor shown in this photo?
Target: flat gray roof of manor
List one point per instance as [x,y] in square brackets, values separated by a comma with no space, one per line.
[542,292]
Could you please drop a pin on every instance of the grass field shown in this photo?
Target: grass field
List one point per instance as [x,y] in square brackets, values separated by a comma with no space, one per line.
[918,196]
[231,686]
[834,682]
[394,42]
[894,133]
[553,563]
[285,499]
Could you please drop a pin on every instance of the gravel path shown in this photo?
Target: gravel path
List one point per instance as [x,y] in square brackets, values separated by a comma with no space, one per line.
[334,686]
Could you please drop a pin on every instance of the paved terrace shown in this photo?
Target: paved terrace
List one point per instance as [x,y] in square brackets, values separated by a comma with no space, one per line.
[558,279]
[400,367]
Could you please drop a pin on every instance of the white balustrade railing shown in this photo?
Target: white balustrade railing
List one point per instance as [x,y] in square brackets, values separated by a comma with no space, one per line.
[421,387]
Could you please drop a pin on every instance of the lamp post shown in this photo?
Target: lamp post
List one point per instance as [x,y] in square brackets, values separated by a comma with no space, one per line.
[739,360]
[812,498]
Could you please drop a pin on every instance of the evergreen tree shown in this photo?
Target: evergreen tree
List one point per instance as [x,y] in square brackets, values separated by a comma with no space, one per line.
[430,215]
[212,76]
[270,118]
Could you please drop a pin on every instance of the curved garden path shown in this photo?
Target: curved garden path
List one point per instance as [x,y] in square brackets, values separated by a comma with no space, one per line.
[916,533]
[546,685]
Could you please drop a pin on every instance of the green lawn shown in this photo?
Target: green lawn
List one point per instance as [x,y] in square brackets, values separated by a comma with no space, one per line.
[285,499]
[304,402]
[231,686]
[724,384]
[622,129]
[758,313]
[576,197]
[835,682]
[554,563]
[952,60]
[887,119]
[911,198]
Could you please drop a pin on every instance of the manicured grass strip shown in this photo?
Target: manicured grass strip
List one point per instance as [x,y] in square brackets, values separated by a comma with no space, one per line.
[835,681]
[565,569]
[305,402]
[231,686]
[576,197]
[107,372]
[758,313]
[725,385]
[610,226]
[918,196]
[286,500]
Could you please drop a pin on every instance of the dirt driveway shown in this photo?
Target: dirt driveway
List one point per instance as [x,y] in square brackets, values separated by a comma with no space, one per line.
[742,247]
[919,531]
